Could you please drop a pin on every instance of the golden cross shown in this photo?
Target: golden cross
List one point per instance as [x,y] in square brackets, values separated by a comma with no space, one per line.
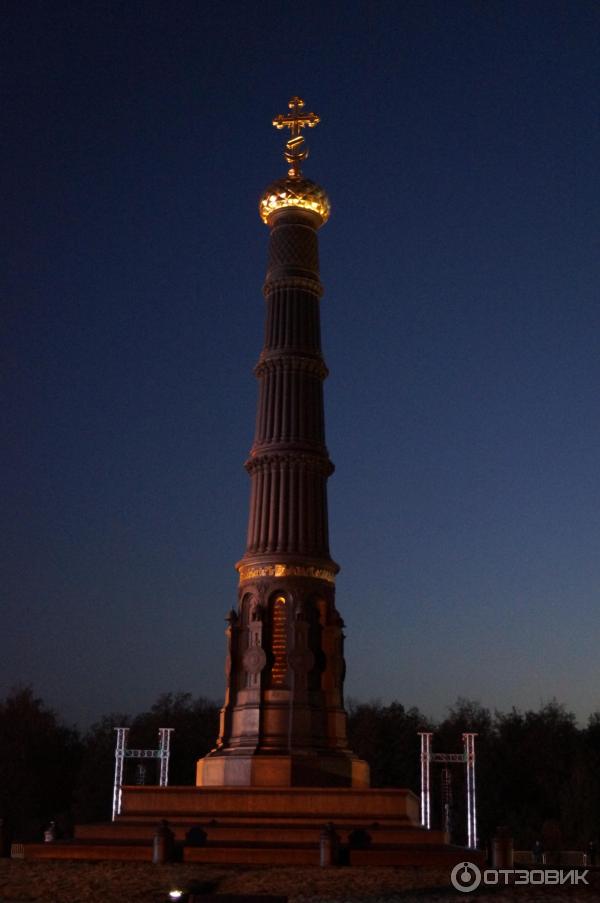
[295,121]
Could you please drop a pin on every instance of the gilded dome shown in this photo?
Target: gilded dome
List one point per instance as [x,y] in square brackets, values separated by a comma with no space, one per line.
[294,192]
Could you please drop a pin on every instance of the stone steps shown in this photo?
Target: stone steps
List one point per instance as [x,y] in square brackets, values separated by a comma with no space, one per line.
[253,853]
[253,832]
[262,825]
[117,851]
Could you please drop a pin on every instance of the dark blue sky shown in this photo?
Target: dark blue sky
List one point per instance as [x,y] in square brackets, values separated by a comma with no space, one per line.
[461,323]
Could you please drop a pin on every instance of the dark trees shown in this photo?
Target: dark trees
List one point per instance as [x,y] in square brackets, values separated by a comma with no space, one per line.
[387,737]
[537,755]
[39,761]
[537,772]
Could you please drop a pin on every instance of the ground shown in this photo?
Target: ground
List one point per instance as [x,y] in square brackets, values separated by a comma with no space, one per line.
[108,882]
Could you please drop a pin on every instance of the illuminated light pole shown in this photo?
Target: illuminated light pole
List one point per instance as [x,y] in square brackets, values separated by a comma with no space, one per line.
[425,790]
[120,747]
[164,749]
[469,744]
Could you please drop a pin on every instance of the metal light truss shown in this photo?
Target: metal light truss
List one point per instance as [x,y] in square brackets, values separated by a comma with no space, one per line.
[164,744]
[469,742]
[468,759]
[425,791]
[122,753]
[447,758]
[119,761]
[142,753]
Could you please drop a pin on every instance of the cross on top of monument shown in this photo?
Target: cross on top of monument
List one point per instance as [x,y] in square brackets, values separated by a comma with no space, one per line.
[295,121]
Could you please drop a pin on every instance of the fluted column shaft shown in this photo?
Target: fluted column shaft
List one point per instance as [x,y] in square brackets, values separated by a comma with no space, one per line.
[289,464]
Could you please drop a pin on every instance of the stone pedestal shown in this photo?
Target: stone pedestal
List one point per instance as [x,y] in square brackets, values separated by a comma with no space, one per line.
[282,771]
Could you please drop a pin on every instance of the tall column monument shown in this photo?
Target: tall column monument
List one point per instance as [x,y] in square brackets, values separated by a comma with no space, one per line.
[283,722]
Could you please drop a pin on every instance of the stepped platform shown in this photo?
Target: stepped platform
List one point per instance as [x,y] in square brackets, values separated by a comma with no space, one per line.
[271,826]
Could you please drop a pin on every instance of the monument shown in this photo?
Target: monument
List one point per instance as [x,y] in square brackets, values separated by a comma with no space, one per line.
[281,782]
[283,722]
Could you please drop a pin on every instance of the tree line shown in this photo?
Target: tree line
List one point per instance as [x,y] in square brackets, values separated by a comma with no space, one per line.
[538,773]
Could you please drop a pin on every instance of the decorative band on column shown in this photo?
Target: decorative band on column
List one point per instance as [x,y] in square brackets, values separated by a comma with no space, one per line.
[305,461]
[252,572]
[302,282]
[294,360]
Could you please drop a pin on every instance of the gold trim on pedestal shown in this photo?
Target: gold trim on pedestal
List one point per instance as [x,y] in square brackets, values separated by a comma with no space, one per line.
[253,572]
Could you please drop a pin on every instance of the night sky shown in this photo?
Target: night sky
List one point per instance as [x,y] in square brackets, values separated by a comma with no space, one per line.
[461,322]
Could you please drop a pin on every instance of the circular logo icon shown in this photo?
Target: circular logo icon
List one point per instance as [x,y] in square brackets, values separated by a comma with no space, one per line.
[465,877]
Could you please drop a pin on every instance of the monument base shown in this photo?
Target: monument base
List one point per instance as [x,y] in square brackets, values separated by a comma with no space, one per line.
[265,825]
[274,804]
[289,770]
